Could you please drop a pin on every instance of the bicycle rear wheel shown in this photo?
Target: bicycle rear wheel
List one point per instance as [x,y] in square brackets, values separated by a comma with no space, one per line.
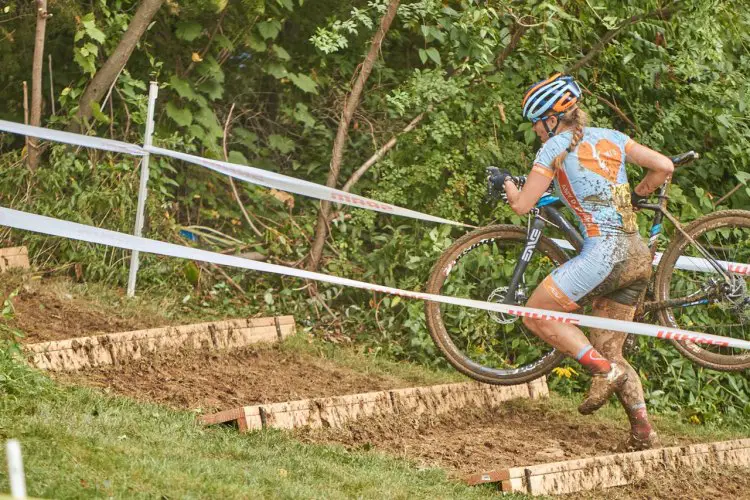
[486,346]
[710,304]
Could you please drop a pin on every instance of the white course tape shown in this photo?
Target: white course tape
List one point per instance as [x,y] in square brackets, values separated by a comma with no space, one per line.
[242,172]
[56,227]
[70,138]
[298,186]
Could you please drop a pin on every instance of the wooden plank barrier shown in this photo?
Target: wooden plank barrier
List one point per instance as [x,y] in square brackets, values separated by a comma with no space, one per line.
[619,469]
[116,348]
[13,257]
[337,411]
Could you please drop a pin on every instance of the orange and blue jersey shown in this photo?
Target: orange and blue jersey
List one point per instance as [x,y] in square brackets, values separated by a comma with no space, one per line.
[592,181]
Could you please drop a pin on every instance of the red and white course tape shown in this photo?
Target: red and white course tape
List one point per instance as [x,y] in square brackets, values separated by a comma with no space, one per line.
[298,186]
[242,172]
[56,227]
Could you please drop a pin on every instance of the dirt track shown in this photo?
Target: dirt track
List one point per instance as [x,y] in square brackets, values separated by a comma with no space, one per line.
[45,313]
[518,433]
[214,381]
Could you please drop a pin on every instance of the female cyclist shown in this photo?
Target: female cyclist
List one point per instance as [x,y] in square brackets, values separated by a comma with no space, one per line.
[588,167]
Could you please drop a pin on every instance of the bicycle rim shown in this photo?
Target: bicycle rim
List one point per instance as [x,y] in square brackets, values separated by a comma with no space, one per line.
[719,308]
[488,346]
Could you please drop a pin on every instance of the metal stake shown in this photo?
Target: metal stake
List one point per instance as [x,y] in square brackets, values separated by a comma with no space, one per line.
[15,469]
[143,188]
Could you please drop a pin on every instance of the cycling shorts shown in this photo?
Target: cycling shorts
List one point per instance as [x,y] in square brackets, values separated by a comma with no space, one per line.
[614,266]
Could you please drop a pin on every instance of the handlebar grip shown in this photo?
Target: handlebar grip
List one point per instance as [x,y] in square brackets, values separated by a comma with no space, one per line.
[684,158]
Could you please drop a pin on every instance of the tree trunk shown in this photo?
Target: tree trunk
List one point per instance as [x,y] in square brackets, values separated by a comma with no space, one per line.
[36,80]
[106,76]
[321,229]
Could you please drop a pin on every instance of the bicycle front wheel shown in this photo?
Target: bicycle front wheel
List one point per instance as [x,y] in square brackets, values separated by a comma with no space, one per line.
[702,299]
[490,347]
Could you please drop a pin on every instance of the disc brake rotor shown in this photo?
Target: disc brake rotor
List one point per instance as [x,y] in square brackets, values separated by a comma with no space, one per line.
[737,295]
[498,296]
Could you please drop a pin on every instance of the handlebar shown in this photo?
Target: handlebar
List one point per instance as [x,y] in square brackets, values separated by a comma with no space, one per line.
[684,158]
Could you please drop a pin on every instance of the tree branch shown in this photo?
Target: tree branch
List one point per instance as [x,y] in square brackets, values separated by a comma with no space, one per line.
[614,108]
[518,31]
[730,193]
[357,175]
[103,78]
[321,229]
[231,181]
[664,13]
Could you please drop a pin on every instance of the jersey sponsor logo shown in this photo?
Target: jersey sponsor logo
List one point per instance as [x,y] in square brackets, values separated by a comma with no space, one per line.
[566,190]
[604,159]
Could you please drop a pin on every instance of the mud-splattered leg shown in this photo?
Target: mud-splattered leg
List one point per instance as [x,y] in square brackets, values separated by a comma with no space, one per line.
[610,343]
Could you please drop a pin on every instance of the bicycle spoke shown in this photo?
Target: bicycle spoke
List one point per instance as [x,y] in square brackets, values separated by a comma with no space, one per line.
[477,274]
[725,310]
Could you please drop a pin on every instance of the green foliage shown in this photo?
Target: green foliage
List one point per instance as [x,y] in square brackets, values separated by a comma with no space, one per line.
[9,335]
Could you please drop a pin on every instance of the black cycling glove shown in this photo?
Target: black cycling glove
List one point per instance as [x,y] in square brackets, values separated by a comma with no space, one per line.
[496,183]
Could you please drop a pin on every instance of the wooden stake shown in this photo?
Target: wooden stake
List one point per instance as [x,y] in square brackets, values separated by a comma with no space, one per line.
[26,110]
[51,86]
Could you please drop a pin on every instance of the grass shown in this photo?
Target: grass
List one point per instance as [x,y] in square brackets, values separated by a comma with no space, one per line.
[166,307]
[80,443]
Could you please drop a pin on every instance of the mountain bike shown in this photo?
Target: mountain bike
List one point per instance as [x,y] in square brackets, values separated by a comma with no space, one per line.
[700,283]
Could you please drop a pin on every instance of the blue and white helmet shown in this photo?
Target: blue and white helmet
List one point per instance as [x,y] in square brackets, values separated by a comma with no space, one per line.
[557,94]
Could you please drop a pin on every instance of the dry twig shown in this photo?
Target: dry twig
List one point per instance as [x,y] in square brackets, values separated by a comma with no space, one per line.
[231,181]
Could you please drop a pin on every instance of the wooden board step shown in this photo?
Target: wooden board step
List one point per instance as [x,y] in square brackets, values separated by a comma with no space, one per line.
[619,469]
[13,257]
[114,348]
[337,411]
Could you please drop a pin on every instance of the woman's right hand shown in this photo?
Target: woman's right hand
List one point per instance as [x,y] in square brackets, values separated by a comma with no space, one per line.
[496,182]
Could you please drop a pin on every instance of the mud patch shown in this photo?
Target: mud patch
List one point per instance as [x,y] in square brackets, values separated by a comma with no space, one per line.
[48,312]
[518,433]
[714,482]
[222,380]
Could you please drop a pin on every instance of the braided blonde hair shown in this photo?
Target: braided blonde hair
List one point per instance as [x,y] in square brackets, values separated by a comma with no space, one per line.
[577,119]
